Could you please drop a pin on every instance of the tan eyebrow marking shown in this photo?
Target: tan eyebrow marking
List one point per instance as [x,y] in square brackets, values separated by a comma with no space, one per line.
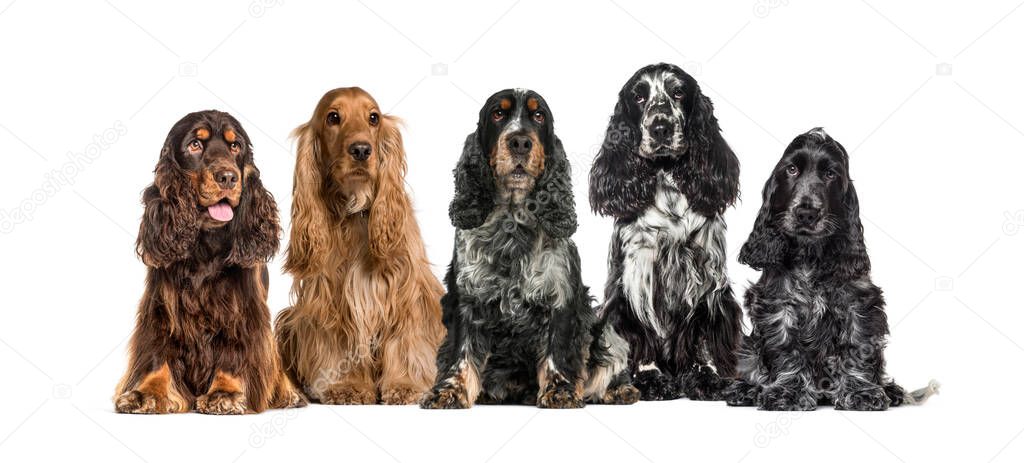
[532,104]
[506,104]
[202,134]
[229,136]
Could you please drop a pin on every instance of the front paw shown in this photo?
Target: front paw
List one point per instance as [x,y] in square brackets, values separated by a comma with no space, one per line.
[221,403]
[144,403]
[561,395]
[445,397]
[654,385]
[348,394]
[778,398]
[401,395]
[702,383]
[623,394]
[741,394]
[873,399]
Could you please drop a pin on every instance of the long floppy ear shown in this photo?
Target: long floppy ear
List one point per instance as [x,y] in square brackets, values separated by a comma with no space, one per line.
[474,187]
[710,172]
[390,208]
[621,183]
[766,246]
[551,200]
[255,229]
[170,223]
[309,239]
[847,246]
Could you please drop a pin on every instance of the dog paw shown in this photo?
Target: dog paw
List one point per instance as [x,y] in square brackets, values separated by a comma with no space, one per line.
[221,403]
[143,403]
[560,396]
[445,398]
[401,395]
[295,400]
[873,399]
[740,394]
[653,385]
[347,394]
[702,383]
[787,399]
[623,394]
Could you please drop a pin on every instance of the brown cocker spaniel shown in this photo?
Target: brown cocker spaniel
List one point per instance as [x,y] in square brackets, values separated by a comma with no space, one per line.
[202,339]
[366,321]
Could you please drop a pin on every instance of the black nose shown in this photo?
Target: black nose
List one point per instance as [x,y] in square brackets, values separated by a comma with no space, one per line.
[226,179]
[520,144]
[360,150]
[806,215]
[661,130]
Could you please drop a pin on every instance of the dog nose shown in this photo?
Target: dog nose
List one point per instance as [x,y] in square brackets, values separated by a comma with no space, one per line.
[520,144]
[807,215]
[226,179]
[660,130]
[360,150]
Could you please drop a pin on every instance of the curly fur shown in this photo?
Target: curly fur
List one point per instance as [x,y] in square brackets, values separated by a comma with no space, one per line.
[520,325]
[366,319]
[667,292]
[819,325]
[202,340]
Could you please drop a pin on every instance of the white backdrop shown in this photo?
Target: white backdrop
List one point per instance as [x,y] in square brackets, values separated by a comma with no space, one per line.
[926,96]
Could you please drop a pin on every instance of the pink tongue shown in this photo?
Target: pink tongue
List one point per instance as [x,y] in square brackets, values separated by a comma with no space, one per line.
[221,211]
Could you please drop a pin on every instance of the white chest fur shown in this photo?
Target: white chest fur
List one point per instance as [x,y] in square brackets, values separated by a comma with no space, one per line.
[671,245]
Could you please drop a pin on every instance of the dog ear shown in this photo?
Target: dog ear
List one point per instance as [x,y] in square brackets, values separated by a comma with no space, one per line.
[766,246]
[255,228]
[474,187]
[170,223]
[710,171]
[309,238]
[551,200]
[851,255]
[621,182]
[390,208]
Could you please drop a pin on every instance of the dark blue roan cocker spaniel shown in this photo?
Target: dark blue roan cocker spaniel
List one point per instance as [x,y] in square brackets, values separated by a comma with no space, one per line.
[520,325]
[819,325]
[666,175]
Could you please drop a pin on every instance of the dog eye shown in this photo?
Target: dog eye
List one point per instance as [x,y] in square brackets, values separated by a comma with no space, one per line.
[333,118]
[830,174]
[539,117]
[235,147]
[374,119]
[195,146]
[498,115]
[639,99]
[677,94]
[792,170]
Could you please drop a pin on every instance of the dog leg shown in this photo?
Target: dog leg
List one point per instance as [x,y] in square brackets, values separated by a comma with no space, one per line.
[562,370]
[157,393]
[459,387]
[860,374]
[226,396]
[408,367]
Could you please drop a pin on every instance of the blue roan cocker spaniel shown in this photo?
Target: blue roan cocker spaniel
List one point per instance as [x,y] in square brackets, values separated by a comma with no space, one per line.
[819,324]
[520,325]
[666,175]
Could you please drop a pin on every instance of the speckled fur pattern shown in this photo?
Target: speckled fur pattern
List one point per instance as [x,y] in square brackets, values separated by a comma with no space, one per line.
[521,329]
[819,324]
[668,293]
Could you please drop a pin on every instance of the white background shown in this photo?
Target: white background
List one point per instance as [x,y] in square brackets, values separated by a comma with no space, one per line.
[925,96]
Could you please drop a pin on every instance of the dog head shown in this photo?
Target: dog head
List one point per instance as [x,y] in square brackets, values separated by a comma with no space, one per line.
[514,158]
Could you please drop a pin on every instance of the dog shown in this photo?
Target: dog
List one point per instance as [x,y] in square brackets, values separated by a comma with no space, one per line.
[819,323]
[366,319]
[520,325]
[666,175]
[202,339]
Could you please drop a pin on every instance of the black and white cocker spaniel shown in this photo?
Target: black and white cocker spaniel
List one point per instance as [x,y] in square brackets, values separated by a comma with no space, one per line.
[666,175]
[520,325]
[819,325]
